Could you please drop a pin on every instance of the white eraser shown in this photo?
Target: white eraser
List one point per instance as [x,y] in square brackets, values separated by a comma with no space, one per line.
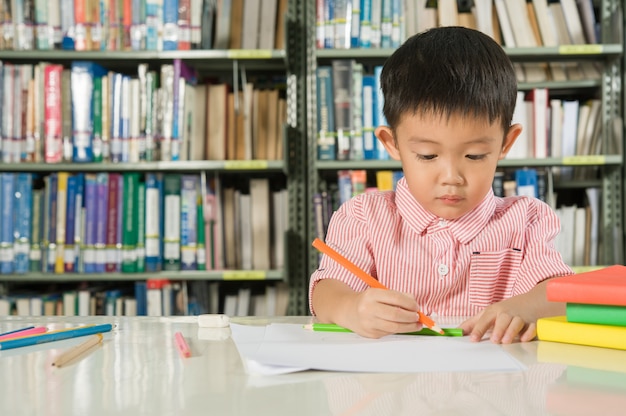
[214,334]
[213,321]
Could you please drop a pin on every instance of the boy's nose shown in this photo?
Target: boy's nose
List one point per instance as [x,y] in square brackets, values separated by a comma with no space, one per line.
[452,175]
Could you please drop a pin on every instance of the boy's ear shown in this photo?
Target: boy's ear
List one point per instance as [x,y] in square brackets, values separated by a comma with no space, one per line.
[509,139]
[385,136]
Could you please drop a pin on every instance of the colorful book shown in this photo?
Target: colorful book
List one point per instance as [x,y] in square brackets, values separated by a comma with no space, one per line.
[23,220]
[141,228]
[558,329]
[326,146]
[130,219]
[171,208]
[188,224]
[7,205]
[606,286]
[153,234]
[83,80]
[596,314]
[61,220]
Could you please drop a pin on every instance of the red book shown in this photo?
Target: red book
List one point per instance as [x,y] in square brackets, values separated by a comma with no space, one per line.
[53,144]
[605,286]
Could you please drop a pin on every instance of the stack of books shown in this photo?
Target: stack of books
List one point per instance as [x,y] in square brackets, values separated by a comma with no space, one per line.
[595,309]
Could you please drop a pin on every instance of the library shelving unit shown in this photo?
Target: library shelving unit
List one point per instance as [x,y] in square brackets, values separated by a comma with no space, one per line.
[608,53]
[287,63]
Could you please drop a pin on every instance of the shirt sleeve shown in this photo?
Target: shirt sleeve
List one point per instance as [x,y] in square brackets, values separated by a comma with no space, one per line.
[348,235]
[541,258]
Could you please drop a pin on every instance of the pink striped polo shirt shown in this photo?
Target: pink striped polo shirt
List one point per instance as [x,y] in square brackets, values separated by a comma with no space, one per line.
[502,248]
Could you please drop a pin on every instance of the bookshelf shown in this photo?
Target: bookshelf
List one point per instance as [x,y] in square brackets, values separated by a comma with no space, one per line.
[274,68]
[608,164]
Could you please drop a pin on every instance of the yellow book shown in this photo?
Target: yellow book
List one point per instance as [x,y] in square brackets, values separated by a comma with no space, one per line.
[557,329]
[60,219]
[384,180]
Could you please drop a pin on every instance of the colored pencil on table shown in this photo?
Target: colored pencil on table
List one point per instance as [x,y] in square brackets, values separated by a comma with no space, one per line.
[321,327]
[78,350]
[54,336]
[371,282]
[23,332]
[181,345]
[16,330]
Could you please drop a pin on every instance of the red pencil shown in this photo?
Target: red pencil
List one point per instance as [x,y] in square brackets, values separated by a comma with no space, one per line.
[371,282]
[181,345]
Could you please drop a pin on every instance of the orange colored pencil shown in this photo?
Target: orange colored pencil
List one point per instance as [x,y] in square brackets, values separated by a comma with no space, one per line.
[371,282]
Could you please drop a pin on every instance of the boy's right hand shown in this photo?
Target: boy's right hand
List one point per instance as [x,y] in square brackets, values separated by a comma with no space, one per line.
[381,312]
[372,313]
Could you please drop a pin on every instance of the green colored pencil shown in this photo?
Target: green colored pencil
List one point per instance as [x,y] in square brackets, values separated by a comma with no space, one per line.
[448,332]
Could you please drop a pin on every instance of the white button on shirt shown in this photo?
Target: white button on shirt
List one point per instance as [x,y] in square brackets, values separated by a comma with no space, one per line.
[442,269]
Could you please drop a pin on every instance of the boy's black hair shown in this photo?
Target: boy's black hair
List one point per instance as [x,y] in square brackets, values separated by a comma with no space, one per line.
[449,70]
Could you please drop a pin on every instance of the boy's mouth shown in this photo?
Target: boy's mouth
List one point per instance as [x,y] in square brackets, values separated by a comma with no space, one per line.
[450,199]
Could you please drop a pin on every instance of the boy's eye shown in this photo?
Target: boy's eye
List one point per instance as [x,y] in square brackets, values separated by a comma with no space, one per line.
[476,157]
[426,157]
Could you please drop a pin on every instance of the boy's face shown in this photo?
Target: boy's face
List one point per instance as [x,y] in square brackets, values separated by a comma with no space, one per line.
[449,163]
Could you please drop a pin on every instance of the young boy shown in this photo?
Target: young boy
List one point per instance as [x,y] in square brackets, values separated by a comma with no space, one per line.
[442,242]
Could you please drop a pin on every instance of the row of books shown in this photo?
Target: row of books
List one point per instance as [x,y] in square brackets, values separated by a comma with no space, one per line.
[349,108]
[130,222]
[154,25]
[595,309]
[555,127]
[343,24]
[152,297]
[86,113]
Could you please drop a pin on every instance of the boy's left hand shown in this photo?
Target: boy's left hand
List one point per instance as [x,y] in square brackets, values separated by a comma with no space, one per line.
[505,322]
[513,318]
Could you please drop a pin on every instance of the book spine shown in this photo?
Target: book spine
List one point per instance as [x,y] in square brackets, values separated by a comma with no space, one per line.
[369,103]
[7,195]
[170,25]
[326,145]
[96,106]
[50,225]
[596,314]
[69,260]
[67,24]
[61,219]
[379,117]
[171,236]
[91,219]
[154,22]
[82,81]
[34,255]
[201,248]
[102,215]
[130,219]
[8,104]
[116,117]
[557,329]
[43,29]
[79,221]
[342,98]
[140,249]
[152,226]
[111,228]
[138,28]
[184,25]
[188,210]
[23,221]
[53,152]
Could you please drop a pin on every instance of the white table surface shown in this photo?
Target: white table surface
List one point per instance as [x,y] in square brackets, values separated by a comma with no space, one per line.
[138,371]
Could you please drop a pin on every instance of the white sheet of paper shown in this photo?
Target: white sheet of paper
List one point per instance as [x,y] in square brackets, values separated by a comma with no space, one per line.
[282,348]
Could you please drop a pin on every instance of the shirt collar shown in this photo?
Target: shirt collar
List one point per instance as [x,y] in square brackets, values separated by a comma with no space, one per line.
[464,228]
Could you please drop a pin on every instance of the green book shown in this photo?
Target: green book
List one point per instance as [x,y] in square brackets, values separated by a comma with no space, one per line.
[596,314]
[97,119]
[141,228]
[201,243]
[129,222]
